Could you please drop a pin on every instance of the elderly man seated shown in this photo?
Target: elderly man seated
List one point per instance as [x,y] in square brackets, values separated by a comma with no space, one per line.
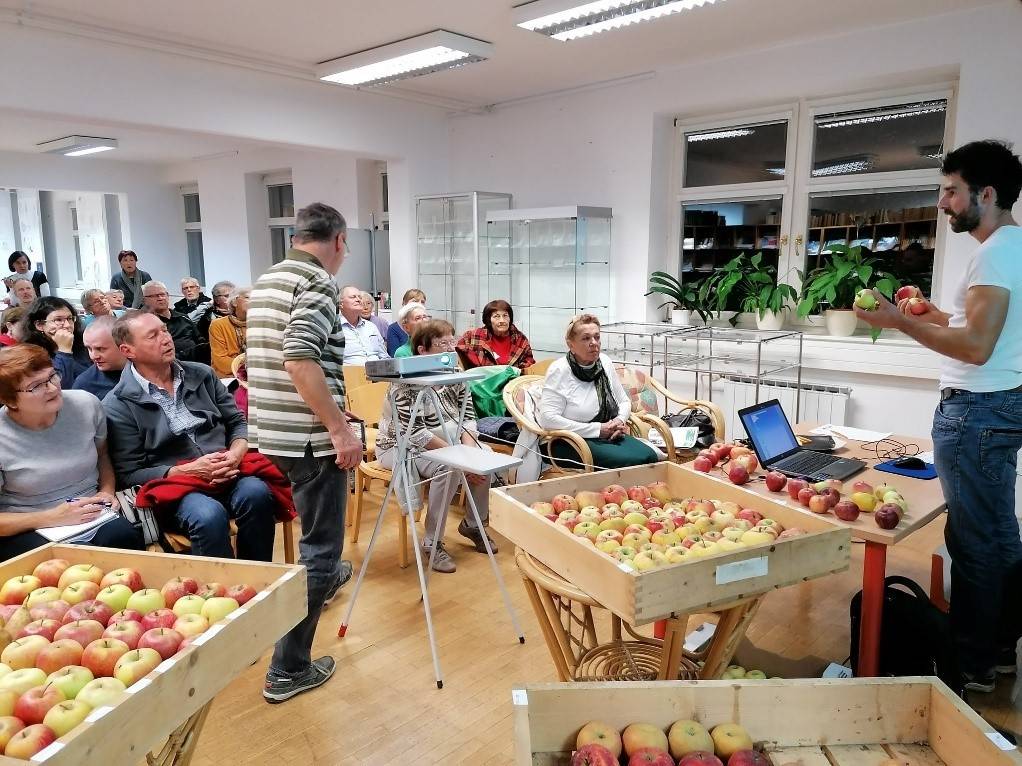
[96,304]
[362,341]
[107,360]
[193,300]
[188,344]
[169,418]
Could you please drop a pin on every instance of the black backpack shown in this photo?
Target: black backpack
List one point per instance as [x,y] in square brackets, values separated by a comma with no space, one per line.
[691,417]
[916,635]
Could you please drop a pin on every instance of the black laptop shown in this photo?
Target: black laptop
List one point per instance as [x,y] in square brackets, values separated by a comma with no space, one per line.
[778,449]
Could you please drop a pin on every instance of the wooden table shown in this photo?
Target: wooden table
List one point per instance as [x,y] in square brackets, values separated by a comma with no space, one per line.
[925,500]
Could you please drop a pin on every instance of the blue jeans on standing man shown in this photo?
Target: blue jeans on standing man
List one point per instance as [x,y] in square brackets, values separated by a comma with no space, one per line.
[206,521]
[976,440]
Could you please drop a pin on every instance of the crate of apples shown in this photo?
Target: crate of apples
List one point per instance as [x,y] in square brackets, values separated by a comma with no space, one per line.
[684,743]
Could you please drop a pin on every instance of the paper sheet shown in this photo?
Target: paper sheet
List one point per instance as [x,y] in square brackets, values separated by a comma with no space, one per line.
[684,438]
[60,534]
[855,434]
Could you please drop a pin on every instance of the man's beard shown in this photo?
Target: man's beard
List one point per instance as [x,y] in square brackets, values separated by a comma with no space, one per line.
[969,219]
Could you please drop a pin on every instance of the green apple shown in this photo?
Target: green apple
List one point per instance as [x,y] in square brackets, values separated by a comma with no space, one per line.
[70,680]
[145,601]
[866,301]
[115,596]
[190,604]
[218,607]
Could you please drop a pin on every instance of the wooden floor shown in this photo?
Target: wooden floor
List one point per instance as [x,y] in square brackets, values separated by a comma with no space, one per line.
[383,707]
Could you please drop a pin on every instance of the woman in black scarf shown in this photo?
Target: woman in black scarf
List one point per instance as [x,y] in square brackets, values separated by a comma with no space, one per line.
[583,394]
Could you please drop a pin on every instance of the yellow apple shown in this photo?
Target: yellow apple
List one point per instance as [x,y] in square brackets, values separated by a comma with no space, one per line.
[599,733]
[644,561]
[686,737]
[608,546]
[615,524]
[865,501]
[730,545]
[728,739]
[676,554]
[639,735]
[665,538]
[703,548]
[756,537]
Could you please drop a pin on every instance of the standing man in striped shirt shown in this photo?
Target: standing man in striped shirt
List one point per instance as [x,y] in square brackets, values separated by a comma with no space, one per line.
[296,395]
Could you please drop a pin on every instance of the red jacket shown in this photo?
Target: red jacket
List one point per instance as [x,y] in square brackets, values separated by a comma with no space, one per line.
[164,494]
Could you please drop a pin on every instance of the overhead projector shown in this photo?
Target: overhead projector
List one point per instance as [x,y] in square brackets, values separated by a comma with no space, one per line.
[411,366]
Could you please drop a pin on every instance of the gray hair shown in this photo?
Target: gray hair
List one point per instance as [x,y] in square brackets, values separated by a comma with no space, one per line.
[22,279]
[188,281]
[102,324]
[238,292]
[121,330]
[89,295]
[222,284]
[153,283]
[364,295]
[318,222]
[117,292]
[350,287]
[407,309]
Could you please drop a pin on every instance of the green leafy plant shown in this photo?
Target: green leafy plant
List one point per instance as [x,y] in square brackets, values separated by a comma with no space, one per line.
[683,295]
[835,283]
[753,281]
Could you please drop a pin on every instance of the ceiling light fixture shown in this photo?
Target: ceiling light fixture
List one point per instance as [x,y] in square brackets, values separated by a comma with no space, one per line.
[77,146]
[840,168]
[844,120]
[716,134]
[570,19]
[412,57]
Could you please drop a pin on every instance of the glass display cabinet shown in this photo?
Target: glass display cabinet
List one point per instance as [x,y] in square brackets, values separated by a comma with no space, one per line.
[549,264]
[452,253]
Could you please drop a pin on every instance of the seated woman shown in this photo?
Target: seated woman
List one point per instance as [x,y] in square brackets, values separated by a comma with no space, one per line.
[227,334]
[407,318]
[498,341]
[11,328]
[397,335]
[54,468]
[583,394]
[54,325]
[427,433]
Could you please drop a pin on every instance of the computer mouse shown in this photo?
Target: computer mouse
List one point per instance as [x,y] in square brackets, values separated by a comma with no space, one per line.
[912,463]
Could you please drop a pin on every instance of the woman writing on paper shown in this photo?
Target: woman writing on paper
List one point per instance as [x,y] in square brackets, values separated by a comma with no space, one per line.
[54,468]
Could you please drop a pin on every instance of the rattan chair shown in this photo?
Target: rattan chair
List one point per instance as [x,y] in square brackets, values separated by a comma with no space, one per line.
[540,367]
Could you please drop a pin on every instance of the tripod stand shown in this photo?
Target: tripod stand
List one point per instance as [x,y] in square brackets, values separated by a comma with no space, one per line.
[461,460]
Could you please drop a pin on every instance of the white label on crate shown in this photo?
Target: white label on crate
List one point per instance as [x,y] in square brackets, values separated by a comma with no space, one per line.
[138,686]
[164,666]
[1000,740]
[519,697]
[210,632]
[259,596]
[741,570]
[47,751]
[98,713]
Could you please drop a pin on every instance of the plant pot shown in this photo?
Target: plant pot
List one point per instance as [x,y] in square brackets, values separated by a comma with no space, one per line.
[771,320]
[840,322]
[682,317]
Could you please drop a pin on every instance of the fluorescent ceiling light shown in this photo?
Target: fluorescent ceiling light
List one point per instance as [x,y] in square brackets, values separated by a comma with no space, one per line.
[412,57]
[840,168]
[715,134]
[78,146]
[570,19]
[842,121]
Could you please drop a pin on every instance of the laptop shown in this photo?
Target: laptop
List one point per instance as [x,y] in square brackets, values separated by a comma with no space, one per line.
[778,450]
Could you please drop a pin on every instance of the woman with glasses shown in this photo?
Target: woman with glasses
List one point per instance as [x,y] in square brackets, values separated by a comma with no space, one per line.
[427,433]
[220,307]
[498,341]
[53,324]
[227,334]
[54,467]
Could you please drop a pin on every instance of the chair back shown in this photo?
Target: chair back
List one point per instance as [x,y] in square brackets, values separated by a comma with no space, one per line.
[636,385]
[540,367]
[367,402]
[354,376]
[515,393]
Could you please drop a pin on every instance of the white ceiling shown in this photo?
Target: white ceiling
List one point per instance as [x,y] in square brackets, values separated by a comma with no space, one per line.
[301,34]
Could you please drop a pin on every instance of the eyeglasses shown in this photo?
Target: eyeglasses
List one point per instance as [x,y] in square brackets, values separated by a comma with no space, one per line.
[39,387]
[63,319]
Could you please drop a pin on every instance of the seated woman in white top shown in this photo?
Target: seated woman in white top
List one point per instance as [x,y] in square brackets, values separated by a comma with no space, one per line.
[583,394]
[427,433]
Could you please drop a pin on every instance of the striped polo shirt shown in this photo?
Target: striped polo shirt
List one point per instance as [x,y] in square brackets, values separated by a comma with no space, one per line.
[292,315]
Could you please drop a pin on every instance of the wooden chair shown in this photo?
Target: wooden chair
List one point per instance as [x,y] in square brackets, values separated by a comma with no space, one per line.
[714,412]
[540,367]
[354,377]
[365,474]
[366,402]
[179,543]
[645,410]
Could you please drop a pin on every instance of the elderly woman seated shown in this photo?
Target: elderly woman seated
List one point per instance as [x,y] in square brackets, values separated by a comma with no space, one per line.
[498,341]
[227,334]
[428,433]
[583,394]
[407,318]
[54,468]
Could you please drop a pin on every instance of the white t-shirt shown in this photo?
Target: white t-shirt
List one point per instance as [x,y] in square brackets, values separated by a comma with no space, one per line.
[569,404]
[996,263]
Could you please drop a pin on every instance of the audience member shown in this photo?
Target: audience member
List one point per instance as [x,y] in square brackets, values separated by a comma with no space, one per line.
[220,307]
[22,293]
[583,394]
[20,266]
[11,328]
[54,325]
[174,418]
[397,335]
[498,341]
[54,467]
[96,304]
[227,334]
[369,313]
[428,432]
[107,360]
[129,279]
[362,341]
[193,298]
[409,316]
[188,345]
[115,298]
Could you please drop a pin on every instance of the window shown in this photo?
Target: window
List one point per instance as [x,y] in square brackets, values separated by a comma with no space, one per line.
[79,266]
[281,214]
[280,241]
[385,187]
[732,155]
[282,201]
[193,235]
[193,213]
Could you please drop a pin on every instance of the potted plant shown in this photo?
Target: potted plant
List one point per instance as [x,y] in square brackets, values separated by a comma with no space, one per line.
[833,285]
[684,297]
[757,286]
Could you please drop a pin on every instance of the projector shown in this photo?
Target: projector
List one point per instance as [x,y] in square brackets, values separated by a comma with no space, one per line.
[411,366]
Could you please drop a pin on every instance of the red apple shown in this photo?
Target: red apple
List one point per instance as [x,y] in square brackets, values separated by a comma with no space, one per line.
[82,631]
[77,592]
[136,664]
[89,610]
[862,486]
[702,464]
[564,503]
[127,631]
[748,758]
[59,654]
[127,615]
[51,610]
[833,496]
[123,576]
[750,515]
[791,532]
[164,640]
[819,504]
[161,618]
[551,517]
[241,593]
[101,656]
[29,741]
[49,571]
[917,306]
[709,455]
[614,493]
[17,589]
[80,573]
[638,493]
[590,755]
[9,726]
[775,481]
[749,462]
[905,292]
[650,756]
[805,494]
[887,516]
[700,758]
[846,510]
[795,486]
[6,610]
[33,705]
[737,473]
[650,502]
[44,628]
[722,449]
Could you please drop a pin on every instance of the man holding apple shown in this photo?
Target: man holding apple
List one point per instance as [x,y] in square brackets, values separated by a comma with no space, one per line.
[977,427]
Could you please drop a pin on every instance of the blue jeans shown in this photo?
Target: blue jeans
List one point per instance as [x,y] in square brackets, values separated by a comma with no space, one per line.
[976,439]
[206,521]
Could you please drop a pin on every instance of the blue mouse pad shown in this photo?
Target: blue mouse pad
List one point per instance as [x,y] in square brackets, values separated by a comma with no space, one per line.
[929,472]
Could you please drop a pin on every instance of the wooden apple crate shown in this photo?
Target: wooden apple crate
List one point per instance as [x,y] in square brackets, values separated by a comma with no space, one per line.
[841,722]
[708,583]
[155,706]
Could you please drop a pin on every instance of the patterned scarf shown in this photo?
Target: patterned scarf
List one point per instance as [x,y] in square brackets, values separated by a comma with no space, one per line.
[240,329]
[135,283]
[594,373]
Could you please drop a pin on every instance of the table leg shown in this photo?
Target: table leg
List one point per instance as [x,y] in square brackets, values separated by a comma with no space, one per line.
[674,641]
[874,570]
[731,628]
[180,745]
[660,629]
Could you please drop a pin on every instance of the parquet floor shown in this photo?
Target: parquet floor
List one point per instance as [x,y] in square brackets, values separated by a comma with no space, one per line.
[383,707]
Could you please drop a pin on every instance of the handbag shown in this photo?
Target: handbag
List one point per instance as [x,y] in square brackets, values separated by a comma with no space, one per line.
[693,417]
[143,519]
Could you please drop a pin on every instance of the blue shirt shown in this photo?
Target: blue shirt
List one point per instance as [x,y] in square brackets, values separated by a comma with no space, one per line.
[171,402]
[362,342]
[396,337]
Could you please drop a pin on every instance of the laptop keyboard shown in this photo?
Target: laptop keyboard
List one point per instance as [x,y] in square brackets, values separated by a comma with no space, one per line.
[806,463]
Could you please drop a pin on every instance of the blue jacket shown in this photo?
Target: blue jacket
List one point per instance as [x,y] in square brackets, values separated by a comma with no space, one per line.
[142,446]
[396,337]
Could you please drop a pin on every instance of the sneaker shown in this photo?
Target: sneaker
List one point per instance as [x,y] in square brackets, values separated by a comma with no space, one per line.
[476,536]
[342,579]
[442,561]
[280,688]
[1007,662]
[983,683]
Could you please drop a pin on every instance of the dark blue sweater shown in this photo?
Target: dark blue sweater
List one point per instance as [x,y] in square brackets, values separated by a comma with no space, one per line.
[97,382]
[396,337]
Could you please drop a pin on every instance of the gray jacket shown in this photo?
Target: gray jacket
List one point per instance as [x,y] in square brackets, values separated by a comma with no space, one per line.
[142,446]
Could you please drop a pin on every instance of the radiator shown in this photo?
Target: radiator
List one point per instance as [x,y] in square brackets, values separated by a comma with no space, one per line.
[825,404]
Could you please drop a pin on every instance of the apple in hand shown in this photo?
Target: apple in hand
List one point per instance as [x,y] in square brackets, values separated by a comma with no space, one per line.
[80,573]
[917,306]
[215,609]
[126,576]
[599,733]
[905,292]
[775,481]
[145,601]
[66,715]
[640,735]
[59,654]
[115,596]
[127,631]
[729,738]
[161,618]
[101,655]
[49,571]
[189,625]
[101,691]
[17,589]
[22,653]
[33,705]
[9,726]
[70,680]
[82,631]
[136,664]
[29,741]
[688,736]
[593,754]
[76,593]
[44,628]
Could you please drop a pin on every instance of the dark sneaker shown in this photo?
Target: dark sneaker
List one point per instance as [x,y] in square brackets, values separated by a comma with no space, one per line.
[279,688]
[442,561]
[983,683]
[476,536]
[1007,662]
[342,578]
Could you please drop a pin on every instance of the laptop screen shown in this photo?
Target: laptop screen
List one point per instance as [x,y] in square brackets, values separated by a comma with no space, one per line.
[768,430]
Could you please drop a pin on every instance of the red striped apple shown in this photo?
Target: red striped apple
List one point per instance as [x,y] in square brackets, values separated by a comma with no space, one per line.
[125,615]
[29,741]
[33,705]
[49,571]
[89,610]
[44,628]
[50,610]
[564,503]
[17,589]
[614,493]
[82,631]
[136,664]
[59,654]
[593,754]
[127,631]
[130,578]
[161,618]
[101,656]
[213,590]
